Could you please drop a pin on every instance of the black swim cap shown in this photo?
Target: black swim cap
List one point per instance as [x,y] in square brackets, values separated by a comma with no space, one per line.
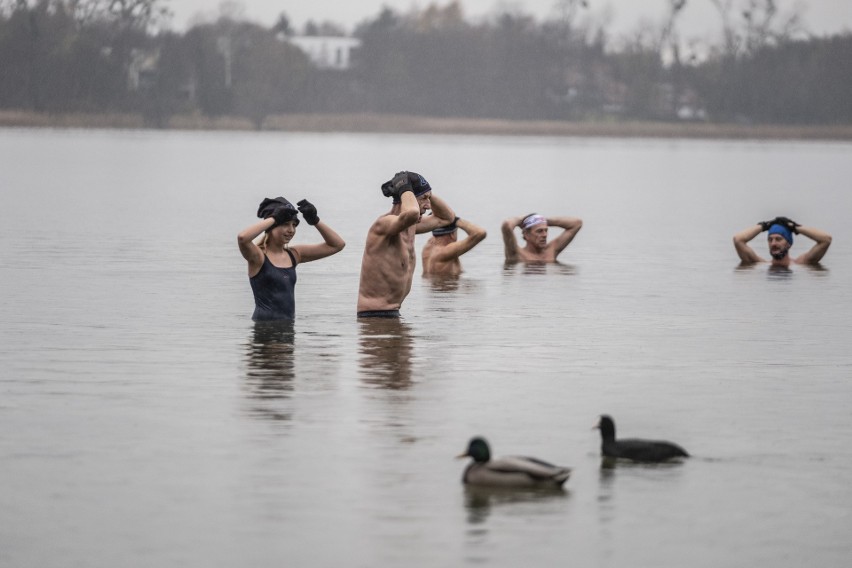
[419,185]
[446,229]
[268,206]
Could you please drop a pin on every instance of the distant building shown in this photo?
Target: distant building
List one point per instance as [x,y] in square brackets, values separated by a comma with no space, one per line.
[327,52]
[142,70]
[690,106]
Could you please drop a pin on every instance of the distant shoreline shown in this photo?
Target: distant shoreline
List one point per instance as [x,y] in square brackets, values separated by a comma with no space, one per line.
[402,124]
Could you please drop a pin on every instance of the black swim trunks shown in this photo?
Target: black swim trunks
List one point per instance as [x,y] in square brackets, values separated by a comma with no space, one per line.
[379,314]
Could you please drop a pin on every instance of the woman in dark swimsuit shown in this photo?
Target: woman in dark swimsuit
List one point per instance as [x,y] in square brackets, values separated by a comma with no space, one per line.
[272,262]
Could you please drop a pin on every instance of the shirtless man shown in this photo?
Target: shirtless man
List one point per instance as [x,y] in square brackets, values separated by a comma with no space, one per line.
[387,267]
[441,253]
[780,238]
[534,231]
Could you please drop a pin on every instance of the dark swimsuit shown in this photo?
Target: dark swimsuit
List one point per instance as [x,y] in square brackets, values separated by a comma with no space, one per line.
[273,291]
[379,314]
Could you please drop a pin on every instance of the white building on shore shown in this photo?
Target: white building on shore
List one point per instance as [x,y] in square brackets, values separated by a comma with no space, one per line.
[327,52]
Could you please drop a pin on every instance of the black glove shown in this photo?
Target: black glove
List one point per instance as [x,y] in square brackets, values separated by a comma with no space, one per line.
[764,225]
[308,211]
[397,186]
[789,223]
[284,214]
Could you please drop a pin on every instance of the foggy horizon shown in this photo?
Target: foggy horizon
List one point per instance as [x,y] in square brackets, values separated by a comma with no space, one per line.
[698,20]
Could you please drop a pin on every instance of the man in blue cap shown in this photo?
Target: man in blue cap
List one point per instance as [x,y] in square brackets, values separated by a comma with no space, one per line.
[780,233]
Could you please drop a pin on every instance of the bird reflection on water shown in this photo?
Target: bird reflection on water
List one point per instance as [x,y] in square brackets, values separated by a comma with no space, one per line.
[479,501]
[385,347]
[270,369]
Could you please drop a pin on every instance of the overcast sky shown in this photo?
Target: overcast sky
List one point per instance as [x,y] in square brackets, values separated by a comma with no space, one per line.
[699,19]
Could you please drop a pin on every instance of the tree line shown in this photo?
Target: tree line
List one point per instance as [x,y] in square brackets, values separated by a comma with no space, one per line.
[60,56]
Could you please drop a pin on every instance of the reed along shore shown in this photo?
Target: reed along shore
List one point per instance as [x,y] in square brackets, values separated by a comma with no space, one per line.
[384,123]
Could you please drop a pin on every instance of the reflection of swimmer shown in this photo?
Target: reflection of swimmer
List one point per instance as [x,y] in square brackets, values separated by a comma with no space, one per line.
[534,232]
[385,346]
[780,233]
[270,372]
[779,272]
[444,283]
[539,268]
[441,252]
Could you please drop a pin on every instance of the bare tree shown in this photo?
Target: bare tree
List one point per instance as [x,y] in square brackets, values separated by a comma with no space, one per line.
[130,14]
[748,25]
[669,39]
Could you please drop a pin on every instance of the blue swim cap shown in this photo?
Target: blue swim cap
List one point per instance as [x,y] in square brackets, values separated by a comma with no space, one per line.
[781,230]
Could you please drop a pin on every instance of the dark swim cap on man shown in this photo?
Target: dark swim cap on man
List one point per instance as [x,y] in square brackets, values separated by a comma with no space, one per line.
[419,185]
[777,229]
[268,206]
[446,229]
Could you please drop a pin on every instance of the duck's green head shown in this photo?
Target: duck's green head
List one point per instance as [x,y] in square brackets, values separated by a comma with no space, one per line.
[478,450]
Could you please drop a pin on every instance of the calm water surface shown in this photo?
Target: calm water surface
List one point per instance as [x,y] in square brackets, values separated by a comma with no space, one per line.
[146,421]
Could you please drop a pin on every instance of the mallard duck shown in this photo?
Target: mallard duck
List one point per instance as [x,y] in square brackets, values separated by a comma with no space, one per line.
[649,451]
[509,471]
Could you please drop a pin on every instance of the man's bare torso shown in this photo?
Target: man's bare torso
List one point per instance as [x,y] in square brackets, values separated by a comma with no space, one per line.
[432,266]
[387,270]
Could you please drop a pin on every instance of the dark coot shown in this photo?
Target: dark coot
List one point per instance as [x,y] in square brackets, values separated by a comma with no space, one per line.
[649,451]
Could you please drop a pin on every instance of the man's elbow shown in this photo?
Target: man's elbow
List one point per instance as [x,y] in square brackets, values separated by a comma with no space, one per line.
[741,248]
[479,236]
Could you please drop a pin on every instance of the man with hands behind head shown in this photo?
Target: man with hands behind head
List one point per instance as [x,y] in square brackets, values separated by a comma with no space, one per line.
[534,232]
[780,233]
[387,267]
[441,252]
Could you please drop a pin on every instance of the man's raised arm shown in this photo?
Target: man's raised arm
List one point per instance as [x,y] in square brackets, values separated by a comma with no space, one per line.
[442,214]
[572,226]
[409,213]
[741,239]
[823,241]
[510,242]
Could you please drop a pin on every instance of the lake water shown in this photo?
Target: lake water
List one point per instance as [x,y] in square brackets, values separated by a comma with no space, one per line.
[147,422]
